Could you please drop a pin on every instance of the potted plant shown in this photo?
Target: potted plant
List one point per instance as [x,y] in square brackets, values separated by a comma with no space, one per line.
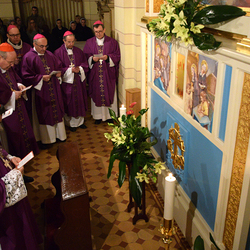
[131,147]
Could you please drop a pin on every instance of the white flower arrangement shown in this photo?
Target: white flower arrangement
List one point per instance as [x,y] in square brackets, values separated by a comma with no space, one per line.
[185,19]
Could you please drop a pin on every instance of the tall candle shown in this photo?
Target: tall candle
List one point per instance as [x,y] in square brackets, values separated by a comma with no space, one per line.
[122,110]
[169,197]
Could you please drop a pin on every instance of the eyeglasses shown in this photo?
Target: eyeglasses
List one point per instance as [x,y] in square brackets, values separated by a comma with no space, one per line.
[13,35]
[98,32]
[43,46]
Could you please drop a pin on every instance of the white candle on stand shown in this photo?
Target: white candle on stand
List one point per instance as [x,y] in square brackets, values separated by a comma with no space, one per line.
[122,110]
[169,197]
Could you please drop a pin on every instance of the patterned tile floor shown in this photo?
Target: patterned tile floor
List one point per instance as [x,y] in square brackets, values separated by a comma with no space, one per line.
[111,224]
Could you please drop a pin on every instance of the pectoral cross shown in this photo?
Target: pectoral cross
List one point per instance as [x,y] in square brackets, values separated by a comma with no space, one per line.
[6,163]
[72,65]
[47,68]
[100,61]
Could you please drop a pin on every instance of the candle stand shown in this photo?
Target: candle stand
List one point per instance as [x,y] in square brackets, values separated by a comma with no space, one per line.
[167,230]
[132,203]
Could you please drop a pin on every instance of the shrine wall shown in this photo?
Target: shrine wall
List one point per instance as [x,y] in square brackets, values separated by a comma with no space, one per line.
[212,191]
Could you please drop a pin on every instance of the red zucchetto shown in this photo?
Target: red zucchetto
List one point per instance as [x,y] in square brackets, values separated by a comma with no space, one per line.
[11,27]
[38,36]
[67,33]
[98,22]
[5,47]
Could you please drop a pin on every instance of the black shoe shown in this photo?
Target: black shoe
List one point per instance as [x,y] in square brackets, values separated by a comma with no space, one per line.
[43,146]
[72,129]
[98,121]
[58,140]
[110,121]
[27,179]
[83,126]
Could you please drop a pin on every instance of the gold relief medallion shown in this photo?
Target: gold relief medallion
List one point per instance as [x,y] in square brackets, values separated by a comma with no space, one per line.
[176,145]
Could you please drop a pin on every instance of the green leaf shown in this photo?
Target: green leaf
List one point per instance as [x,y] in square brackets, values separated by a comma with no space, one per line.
[135,185]
[122,172]
[205,41]
[213,241]
[217,13]
[113,115]
[199,243]
[143,111]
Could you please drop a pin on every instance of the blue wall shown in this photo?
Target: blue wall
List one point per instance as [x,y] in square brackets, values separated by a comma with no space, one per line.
[202,165]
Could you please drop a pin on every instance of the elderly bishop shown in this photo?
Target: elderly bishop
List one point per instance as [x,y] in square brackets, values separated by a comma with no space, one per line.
[41,69]
[74,66]
[21,139]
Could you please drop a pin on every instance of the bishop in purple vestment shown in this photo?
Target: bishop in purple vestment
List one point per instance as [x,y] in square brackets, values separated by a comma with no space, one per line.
[18,228]
[103,56]
[21,139]
[42,69]
[74,66]
[20,47]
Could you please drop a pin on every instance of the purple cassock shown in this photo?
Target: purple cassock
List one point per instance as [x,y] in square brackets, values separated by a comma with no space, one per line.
[102,78]
[20,53]
[21,139]
[74,95]
[48,100]
[18,228]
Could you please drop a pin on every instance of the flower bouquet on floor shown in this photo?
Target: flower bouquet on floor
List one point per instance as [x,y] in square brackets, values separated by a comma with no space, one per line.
[131,146]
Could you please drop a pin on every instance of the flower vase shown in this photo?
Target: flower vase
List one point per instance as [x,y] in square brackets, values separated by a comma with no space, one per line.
[132,203]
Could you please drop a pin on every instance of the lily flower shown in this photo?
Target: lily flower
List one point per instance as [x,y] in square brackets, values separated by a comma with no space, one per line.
[158,167]
[142,177]
[196,28]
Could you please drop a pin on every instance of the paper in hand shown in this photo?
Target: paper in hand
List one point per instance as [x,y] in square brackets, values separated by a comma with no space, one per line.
[26,88]
[54,72]
[27,158]
[98,55]
[7,113]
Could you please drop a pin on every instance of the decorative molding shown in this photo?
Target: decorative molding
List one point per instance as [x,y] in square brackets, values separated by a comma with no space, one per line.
[238,169]
[243,46]
[147,19]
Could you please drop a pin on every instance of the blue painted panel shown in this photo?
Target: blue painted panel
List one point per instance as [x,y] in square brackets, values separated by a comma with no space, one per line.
[203,162]
[225,100]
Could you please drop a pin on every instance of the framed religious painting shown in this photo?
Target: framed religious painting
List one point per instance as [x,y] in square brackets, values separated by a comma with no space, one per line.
[200,88]
[162,65]
[179,74]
